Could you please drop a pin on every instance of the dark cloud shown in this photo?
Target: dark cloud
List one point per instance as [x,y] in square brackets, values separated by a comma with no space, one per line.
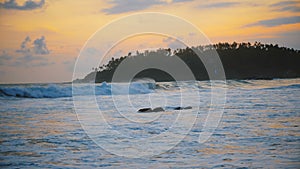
[284,3]
[290,6]
[25,46]
[32,54]
[27,5]
[220,5]
[122,6]
[276,22]
[38,46]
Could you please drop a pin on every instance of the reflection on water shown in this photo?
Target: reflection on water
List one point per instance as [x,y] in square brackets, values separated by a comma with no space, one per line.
[259,128]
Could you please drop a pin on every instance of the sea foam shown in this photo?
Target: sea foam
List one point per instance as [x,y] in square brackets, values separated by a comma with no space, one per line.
[65,90]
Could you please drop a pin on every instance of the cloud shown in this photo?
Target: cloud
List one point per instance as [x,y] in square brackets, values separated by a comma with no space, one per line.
[27,5]
[30,58]
[283,3]
[31,61]
[31,54]
[178,1]
[276,22]
[290,6]
[42,64]
[122,6]
[220,5]
[25,46]
[38,46]
[24,61]
[173,43]
[4,58]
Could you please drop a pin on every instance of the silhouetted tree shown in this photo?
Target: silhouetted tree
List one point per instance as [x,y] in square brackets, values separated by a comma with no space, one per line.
[240,61]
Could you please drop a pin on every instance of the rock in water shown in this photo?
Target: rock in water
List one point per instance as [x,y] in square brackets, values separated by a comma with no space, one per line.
[158,109]
[188,107]
[146,110]
[182,108]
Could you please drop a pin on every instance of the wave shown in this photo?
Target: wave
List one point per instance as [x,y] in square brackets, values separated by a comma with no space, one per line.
[137,87]
[65,90]
[292,86]
[263,84]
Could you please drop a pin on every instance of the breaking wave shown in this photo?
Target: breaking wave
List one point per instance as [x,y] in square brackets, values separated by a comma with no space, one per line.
[143,86]
[65,90]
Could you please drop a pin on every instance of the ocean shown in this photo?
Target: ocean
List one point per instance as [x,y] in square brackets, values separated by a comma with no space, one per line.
[89,126]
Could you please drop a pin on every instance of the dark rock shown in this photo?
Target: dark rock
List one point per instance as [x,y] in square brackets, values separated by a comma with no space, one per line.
[158,109]
[146,110]
[188,107]
[182,108]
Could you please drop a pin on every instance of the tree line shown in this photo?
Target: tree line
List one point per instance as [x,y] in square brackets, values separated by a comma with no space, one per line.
[239,60]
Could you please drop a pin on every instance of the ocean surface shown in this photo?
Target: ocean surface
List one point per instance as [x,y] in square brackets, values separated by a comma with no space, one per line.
[259,126]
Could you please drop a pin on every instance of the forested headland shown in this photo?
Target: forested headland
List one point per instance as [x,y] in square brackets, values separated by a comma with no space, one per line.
[239,60]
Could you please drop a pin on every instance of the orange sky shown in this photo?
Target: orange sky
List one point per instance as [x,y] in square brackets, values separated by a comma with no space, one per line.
[58,29]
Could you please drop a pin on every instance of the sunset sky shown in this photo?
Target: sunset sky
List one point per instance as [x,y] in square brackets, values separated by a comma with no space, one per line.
[40,39]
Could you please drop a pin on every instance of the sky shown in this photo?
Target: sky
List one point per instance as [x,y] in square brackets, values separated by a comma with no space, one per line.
[41,39]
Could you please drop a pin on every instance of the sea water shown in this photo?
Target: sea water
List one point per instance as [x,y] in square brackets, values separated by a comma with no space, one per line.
[259,127]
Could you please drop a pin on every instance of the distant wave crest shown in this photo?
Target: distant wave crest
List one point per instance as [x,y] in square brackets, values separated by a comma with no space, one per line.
[138,87]
[65,90]
[292,86]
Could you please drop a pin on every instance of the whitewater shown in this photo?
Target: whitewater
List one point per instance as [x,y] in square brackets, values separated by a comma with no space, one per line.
[65,90]
[259,127]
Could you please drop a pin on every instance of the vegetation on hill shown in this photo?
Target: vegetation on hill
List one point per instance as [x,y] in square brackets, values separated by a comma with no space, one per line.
[240,61]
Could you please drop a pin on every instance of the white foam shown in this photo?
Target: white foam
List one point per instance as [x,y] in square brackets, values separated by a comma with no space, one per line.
[65,90]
